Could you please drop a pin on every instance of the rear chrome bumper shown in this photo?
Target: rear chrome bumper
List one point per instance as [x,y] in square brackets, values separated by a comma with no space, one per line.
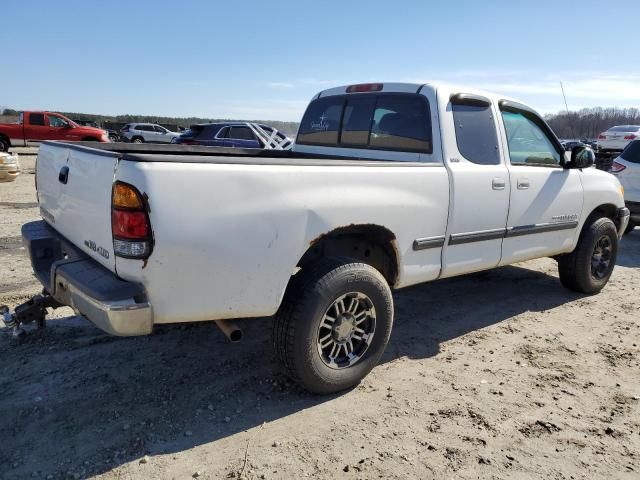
[623,220]
[72,278]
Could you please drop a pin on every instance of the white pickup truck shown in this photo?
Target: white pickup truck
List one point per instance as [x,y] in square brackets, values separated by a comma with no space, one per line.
[388,185]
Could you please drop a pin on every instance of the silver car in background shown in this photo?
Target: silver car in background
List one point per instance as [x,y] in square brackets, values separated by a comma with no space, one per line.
[146,133]
[617,138]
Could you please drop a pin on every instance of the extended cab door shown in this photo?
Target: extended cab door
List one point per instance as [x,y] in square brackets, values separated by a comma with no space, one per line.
[546,200]
[35,128]
[479,184]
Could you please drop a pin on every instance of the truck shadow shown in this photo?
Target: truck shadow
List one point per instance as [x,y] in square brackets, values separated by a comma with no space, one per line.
[84,403]
[629,253]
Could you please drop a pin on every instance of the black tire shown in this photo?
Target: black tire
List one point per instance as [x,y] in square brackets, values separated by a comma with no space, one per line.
[629,228]
[309,298]
[4,144]
[137,140]
[576,270]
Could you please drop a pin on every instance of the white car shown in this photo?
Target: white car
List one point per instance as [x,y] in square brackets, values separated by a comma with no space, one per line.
[627,168]
[617,138]
[146,133]
[388,185]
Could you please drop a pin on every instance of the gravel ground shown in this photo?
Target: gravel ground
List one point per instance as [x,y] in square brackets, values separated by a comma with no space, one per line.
[502,374]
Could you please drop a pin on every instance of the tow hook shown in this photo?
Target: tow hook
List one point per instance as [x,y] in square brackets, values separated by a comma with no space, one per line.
[31,310]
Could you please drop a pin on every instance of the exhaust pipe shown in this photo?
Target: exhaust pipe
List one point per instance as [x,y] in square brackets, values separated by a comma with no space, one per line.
[230,329]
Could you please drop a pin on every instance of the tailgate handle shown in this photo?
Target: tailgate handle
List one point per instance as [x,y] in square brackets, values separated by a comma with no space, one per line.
[63,176]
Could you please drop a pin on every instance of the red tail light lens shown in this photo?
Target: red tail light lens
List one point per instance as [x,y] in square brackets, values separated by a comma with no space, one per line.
[602,136]
[630,137]
[130,226]
[364,87]
[616,167]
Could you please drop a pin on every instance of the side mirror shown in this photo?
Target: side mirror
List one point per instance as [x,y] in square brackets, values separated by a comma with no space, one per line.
[582,156]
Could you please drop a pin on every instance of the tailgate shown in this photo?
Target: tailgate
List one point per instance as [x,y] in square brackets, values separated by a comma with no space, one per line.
[80,208]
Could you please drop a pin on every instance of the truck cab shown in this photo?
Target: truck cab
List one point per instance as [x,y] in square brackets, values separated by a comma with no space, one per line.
[34,127]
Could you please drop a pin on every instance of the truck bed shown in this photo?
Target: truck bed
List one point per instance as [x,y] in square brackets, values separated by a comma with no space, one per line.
[173,153]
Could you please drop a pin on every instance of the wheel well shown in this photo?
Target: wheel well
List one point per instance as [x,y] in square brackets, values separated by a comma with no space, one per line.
[4,137]
[370,244]
[606,210]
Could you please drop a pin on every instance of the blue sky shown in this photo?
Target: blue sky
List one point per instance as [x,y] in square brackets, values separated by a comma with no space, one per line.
[263,60]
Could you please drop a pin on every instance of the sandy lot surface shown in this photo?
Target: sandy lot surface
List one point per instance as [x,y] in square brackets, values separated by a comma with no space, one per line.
[502,374]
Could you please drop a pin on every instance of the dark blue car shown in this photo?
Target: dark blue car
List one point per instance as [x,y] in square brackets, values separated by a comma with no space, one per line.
[222,135]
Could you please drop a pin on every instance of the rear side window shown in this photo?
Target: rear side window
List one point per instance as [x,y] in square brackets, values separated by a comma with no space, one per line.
[241,133]
[632,152]
[36,119]
[223,133]
[389,121]
[476,133]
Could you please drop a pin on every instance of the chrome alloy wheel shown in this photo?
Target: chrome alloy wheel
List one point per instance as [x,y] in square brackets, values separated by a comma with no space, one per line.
[346,330]
[601,258]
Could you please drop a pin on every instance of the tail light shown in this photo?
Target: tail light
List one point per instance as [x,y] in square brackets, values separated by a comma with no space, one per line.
[130,226]
[125,128]
[364,87]
[630,137]
[616,167]
[602,136]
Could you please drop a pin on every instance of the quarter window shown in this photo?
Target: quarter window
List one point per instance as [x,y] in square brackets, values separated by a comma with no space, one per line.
[476,133]
[241,133]
[528,143]
[36,119]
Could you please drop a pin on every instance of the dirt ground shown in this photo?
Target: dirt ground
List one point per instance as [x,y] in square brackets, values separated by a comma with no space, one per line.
[502,374]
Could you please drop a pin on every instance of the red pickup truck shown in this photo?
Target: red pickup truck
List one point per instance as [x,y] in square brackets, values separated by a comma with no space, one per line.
[34,127]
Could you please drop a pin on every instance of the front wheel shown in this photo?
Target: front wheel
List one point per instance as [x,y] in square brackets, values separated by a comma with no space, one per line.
[333,325]
[588,268]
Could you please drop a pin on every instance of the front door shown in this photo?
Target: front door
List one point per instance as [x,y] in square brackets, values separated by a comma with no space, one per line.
[546,200]
[480,186]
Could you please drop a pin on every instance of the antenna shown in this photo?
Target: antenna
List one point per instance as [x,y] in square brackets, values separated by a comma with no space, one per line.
[567,108]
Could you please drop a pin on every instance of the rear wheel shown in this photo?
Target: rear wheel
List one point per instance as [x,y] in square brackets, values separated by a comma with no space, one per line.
[333,325]
[137,140]
[4,144]
[588,268]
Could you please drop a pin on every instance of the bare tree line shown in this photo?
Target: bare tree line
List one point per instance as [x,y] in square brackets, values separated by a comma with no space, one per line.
[588,123]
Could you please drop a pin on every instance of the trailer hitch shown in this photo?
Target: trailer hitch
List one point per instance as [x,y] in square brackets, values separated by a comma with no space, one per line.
[34,309]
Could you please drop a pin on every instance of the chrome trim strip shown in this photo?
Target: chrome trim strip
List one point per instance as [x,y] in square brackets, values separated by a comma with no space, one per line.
[540,228]
[429,242]
[461,238]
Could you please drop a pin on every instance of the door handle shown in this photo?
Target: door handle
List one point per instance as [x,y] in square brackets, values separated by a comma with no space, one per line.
[63,176]
[523,183]
[498,183]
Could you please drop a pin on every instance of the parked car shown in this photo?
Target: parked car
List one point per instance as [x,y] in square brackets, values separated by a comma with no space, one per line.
[146,133]
[617,138]
[9,167]
[113,135]
[233,134]
[35,127]
[571,144]
[389,185]
[627,168]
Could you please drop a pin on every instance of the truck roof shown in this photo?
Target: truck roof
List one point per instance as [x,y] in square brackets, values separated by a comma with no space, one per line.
[438,87]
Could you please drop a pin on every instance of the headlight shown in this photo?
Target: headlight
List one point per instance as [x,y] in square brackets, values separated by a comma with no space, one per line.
[8,159]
